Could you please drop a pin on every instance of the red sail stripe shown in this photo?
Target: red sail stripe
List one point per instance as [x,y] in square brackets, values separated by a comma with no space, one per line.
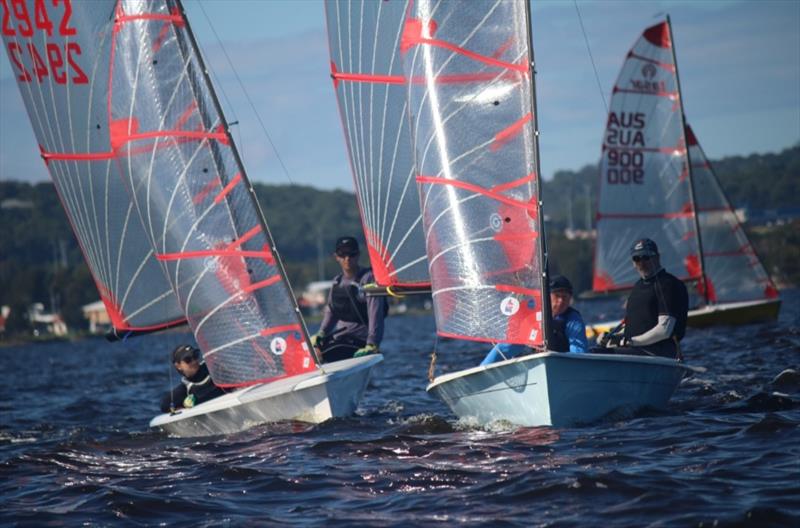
[211,253]
[475,188]
[206,190]
[228,188]
[244,238]
[175,19]
[504,136]
[368,78]
[516,183]
[186,115]
[516,289]
[279,329]
[667,66]
[440,79]
[263,284]
[76,156]
[192,134]
[472,55]
[658,93]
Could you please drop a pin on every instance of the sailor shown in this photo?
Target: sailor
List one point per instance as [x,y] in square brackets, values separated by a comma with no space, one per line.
[352,323]
[196,385]
[567,329]
[656,310]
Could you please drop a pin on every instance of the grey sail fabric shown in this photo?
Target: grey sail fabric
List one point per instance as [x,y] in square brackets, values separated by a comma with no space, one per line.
[367,71]
[470,95]
[197,207]
[645,190]
[733,271]
[60,55]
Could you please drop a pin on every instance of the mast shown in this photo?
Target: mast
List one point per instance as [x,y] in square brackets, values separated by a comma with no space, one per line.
[246,180]
[543,257]
[689,166]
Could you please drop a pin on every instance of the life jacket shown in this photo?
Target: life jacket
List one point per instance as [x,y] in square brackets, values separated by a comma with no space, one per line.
[201,386]
[559,341]
[345,302]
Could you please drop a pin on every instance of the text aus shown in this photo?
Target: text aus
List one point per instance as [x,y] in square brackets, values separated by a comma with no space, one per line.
[624,141]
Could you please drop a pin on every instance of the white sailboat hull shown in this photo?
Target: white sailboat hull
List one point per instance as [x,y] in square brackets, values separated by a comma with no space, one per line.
[331,392]
[559,389]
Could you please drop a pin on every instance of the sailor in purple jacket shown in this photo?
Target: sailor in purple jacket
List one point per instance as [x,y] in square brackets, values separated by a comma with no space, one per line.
[352,323]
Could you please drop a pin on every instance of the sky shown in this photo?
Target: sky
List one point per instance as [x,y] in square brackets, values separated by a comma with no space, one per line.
[739,65]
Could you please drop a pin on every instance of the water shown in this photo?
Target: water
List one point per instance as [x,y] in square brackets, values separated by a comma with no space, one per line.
[75,448]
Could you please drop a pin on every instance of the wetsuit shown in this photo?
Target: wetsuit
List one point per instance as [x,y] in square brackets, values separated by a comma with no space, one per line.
[351,320]
[568,334]
[661,294]
[200,385]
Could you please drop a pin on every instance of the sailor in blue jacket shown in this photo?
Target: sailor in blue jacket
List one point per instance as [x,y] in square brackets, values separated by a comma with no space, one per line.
[567,329]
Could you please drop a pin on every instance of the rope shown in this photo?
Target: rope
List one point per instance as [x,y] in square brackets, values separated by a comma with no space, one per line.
[247,95]
[591,58]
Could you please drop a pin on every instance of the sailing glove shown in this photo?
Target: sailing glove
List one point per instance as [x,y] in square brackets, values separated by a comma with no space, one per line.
[316,339]
[365,351]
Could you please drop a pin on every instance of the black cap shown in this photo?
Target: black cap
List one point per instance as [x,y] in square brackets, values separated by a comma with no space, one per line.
[644,247]
[347,246]
[560,282]
[184,352]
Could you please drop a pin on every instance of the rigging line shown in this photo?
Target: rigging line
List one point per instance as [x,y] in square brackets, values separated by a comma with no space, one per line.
[591,57]
[246,95]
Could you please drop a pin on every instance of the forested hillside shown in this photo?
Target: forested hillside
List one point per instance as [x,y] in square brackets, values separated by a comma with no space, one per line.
[40,260]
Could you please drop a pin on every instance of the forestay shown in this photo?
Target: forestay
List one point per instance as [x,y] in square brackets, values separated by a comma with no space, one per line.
[470,92]
[733,271]
[645,188]
[367,72]
[198,210]
[60,55]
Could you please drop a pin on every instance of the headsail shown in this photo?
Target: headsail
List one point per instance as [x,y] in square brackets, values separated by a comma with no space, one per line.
[60,56]
[470,92]
[367,71]
[733,271]
[645,187]
[198,209]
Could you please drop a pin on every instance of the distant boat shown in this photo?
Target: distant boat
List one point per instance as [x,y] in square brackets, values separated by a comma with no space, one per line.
[656,182]
[471,99]
[137,145]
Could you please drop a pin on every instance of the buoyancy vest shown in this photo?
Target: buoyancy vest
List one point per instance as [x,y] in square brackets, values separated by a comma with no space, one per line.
[347,303]
[559,341]
[201,386]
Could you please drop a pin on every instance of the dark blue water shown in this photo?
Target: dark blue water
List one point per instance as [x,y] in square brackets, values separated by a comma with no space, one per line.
[75,448]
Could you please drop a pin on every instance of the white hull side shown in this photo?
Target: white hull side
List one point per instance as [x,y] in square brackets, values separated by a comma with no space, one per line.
[314,397]
[557,389]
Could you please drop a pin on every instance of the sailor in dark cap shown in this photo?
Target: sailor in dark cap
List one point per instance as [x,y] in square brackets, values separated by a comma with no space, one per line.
[196,384]
[656,310]
[352,323]
[567,329]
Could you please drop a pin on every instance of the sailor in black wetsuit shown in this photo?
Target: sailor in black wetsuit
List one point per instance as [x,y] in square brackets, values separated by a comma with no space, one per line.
[196,385]
[352,323]
[656,311]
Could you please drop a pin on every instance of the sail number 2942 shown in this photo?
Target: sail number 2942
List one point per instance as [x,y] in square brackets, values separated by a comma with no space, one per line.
[54,60]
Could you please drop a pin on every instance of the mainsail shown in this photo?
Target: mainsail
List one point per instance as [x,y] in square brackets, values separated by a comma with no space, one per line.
[198,209]
[470,92]
[645,186]
[60,56]
[656,182]
[367,71]
[733,271]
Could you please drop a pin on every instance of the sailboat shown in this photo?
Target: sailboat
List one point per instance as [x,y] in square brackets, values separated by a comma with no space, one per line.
[136,143]
[656,182]
[471,103]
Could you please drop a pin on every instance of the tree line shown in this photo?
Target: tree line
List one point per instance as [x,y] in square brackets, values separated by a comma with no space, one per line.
[40,260]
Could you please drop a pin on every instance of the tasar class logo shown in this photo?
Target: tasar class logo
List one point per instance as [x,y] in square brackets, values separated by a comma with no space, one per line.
[648,71]
[649,83]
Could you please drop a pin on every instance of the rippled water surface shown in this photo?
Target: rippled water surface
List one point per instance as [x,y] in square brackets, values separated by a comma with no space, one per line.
[75,448]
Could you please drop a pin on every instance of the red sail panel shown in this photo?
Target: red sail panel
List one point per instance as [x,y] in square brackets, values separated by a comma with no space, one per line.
[644,173]
[60,55]
[364,37]
[470,102]
[195,202]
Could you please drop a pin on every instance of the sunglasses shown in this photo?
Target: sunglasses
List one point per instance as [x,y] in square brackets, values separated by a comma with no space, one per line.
[345,255]
[641,258]
[187,360]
